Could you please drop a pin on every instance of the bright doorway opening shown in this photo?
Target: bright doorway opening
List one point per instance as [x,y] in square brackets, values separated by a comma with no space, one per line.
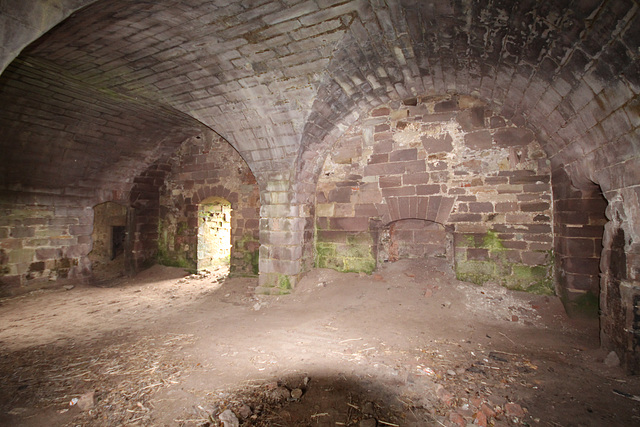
[214,234]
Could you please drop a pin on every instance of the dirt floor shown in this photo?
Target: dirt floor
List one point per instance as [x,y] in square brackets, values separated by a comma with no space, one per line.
[406,346]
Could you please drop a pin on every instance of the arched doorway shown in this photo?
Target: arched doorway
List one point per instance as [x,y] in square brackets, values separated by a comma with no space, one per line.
[214,234]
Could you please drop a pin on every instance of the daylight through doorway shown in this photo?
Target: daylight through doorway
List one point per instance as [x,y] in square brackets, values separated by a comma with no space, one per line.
[214,234]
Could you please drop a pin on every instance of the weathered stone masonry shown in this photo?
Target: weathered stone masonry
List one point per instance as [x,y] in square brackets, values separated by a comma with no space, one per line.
[207,166]
[95,110]
[449,161]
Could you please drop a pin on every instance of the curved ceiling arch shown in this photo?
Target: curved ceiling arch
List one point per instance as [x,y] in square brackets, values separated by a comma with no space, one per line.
[24,21]
[569,72]
[266,75]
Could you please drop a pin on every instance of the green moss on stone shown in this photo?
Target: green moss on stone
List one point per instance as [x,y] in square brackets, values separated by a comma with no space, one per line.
[284,284]
[478,272]
[492,242]
[534,279]
[354,256]
[586,305]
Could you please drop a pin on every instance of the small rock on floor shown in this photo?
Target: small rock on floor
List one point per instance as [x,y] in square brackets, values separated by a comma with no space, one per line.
[612,360]
[229,419]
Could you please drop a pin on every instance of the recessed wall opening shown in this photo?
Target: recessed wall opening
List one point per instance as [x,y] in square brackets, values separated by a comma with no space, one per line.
[214,234]
[580,220]
[108,238]
[412,238]
[118,234]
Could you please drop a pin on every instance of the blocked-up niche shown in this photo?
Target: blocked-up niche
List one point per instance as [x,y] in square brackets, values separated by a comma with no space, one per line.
[109,232]
[214,234]
[413,238]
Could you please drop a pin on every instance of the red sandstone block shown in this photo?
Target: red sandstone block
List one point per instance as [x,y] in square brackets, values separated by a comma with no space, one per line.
[582,282]
[380,112]
[481,207]
[423,206]
[384,169]
[495,180]
[506,207]
[446,106]
[586,266]
[378,158]
[536,188]
[438,144]
[383,146]
[340,195]
[534,207]
[477,254]
[383,137]
[403,155]
[398,191]
[390,181]
[534,258]
[366,210]
[425,190]
[415,166]
[513,137]
[404,206]
[465,217]
[581,248]
[349,223]
[515,244]
[480,140]
[415,178]
[434,207]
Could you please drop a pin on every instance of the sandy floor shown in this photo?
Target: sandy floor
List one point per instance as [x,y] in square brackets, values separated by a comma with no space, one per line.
[408,346]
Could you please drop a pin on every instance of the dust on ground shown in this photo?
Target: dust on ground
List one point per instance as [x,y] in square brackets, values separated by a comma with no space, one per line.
[406,346]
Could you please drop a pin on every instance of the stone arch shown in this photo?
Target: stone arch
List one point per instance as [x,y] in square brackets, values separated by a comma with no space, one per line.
[450,159]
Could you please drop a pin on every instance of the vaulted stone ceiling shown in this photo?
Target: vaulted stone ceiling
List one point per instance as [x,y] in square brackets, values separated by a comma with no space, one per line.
[110,92]
[281,80]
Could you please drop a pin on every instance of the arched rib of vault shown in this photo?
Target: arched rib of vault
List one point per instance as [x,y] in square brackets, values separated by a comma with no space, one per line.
[248,70]
[569,72]
[23,21]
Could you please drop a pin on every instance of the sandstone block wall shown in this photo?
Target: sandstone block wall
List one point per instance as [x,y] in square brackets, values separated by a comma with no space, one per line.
[41,244]
[202,168]
[449,161]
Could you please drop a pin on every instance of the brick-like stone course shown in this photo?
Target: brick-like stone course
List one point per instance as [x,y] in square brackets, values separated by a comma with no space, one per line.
[446,187]
[40,244]
[183,191]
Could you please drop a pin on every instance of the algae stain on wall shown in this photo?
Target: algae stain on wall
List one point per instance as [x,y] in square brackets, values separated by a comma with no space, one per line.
[354,255]
[493,265]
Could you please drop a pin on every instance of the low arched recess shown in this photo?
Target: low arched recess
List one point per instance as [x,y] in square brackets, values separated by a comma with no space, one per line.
[449,159]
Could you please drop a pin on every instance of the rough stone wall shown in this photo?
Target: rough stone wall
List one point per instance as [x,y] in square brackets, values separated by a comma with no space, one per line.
[68,146]
[449,160]
[42,243]
[142,248]
[207,167]
[579,219]
[620,284]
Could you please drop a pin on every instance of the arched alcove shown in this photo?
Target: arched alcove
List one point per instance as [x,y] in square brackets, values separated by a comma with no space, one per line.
[413,238]
[214,234]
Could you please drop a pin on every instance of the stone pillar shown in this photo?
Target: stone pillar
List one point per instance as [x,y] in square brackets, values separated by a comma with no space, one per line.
[282,234]
[620,285]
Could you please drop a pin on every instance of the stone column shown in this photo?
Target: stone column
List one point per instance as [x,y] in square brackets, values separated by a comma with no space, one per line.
[620,265]
[282,232]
